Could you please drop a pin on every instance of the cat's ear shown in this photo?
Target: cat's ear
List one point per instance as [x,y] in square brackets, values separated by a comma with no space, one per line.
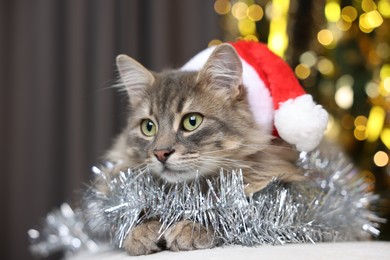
[134,76]
[223,71]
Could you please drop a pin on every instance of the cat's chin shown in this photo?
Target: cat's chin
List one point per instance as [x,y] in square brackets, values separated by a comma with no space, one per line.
[173,176]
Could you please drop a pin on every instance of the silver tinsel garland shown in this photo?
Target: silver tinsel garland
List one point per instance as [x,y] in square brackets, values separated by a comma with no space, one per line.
[331,205]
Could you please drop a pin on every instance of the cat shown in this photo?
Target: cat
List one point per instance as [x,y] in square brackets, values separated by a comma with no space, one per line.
[184,123]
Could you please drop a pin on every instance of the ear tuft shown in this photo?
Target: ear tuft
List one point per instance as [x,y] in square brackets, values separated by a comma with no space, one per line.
[133,75]
[223,69]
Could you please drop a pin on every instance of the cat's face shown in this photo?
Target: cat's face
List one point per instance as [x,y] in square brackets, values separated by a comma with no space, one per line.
[184,123]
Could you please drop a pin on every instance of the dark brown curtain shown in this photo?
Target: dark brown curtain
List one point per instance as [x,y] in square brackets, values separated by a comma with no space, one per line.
[58,113]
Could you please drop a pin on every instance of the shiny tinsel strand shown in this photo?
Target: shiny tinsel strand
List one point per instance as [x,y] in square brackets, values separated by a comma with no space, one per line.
[331,205]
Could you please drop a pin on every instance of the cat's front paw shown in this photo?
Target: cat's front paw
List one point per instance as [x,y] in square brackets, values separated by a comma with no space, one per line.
[188,235]
[143,239]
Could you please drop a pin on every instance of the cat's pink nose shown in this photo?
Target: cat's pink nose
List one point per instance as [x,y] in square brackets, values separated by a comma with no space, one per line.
[163,154]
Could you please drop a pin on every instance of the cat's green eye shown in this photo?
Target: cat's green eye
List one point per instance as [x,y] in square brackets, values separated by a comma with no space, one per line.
[192,121]
[148,127]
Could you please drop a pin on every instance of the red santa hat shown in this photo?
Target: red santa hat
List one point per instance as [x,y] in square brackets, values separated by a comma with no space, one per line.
[277,100]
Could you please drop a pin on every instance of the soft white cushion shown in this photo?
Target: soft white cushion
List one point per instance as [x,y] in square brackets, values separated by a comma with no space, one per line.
[345,250]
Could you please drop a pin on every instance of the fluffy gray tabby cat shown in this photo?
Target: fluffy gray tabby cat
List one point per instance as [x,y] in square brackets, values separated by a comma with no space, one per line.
[183,123]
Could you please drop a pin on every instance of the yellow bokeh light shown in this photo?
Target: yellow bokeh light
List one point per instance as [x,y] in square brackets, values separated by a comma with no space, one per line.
[386,84]
[384,8]
[385,71]
[385,137]
[325,66]
[369,21]
[381,159]
[222,6]
[360,121]
[384,89]
[309,58]
[374,19]
[277,37]
[255,12]
[325,37]
[349,14]
[343,25]
[368,5]
[332,11]
[246,27]
[359,134]
[375,123]
[363,25]
[302,71]
[275,10]
[278,43]
[361,128]
[372,89]
[239,10]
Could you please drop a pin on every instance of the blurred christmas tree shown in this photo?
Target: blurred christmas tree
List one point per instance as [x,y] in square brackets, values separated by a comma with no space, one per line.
[340,50]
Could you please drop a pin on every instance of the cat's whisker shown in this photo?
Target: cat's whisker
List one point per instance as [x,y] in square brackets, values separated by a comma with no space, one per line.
[230,165]
[263,146]
[236,162]
[140,166]
[201,166]
[205,166]
[254,149]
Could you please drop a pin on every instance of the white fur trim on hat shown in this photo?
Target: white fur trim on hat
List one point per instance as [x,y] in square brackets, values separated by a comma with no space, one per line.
[301,122]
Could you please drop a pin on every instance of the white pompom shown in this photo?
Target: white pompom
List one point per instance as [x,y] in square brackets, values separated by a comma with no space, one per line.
[301,122]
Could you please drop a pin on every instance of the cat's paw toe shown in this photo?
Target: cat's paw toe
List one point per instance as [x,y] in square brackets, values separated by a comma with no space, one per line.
[187,235]
[143,239]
